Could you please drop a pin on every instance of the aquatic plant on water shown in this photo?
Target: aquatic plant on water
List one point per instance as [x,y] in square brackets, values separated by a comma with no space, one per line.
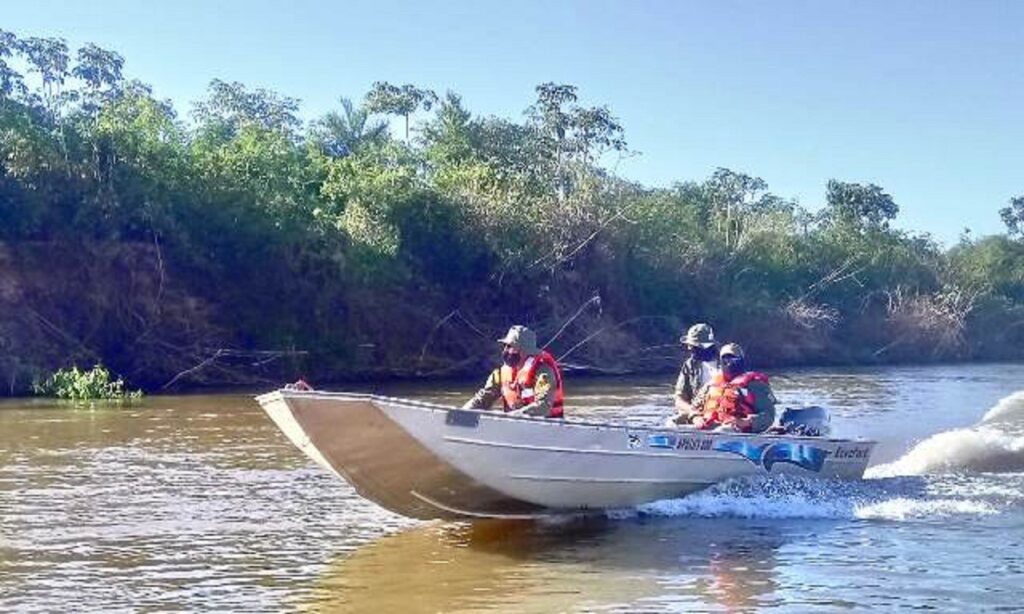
[80,385]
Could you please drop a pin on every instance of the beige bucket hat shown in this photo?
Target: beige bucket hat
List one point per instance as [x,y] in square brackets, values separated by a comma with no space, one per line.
[521,338]
[732,349]
[699,335]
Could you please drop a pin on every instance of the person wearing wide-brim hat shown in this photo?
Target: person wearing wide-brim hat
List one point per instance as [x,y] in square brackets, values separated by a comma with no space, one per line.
[700,366]
[528,381]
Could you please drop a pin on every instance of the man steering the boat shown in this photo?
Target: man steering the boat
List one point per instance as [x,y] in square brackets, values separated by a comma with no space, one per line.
[735,398]
[528,382]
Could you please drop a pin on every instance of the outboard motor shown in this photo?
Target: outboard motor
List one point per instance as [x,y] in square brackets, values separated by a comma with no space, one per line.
[810,421]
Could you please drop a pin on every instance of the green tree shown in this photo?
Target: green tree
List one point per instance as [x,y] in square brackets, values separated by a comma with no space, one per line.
[100,70]
[229,106]
[1013,216]
[11,81]
[140,153]
[732,195]
[346,133]
[993,264]
[48,57]
[452,135]
[572,137]
[857,206]
[399,100]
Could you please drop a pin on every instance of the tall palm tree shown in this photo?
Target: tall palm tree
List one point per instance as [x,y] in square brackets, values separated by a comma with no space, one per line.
[342,134]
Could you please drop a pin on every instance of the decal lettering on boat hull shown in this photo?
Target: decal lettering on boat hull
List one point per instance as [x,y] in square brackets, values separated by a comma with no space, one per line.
[766,455]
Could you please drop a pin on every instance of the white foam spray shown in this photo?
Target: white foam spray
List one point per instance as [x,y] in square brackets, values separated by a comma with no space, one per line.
[905,508]
[948,474]
[1008,410]
[995,445]
[789,497]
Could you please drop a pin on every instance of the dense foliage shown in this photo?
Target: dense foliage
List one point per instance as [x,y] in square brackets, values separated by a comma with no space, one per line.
[241,242]
[76,384]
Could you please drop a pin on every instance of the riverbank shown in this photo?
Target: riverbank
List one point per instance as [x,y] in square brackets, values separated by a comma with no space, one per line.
[130,307]
[250,245]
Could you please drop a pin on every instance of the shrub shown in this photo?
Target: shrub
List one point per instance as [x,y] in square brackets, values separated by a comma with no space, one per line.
[78,385]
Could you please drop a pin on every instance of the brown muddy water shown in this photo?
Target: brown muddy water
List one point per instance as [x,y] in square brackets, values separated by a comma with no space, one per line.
[197,503]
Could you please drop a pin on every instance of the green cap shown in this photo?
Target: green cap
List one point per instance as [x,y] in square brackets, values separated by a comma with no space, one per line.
[732,349]
[699,335]
[521,338]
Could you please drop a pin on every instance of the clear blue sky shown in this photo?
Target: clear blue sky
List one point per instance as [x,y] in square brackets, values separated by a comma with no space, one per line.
[925,98]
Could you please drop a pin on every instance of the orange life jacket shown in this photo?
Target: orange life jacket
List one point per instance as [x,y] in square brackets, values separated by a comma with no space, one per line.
[517,384]
[731,402]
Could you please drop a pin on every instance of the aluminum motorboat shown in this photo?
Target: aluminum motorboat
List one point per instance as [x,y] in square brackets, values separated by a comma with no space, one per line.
[426,460]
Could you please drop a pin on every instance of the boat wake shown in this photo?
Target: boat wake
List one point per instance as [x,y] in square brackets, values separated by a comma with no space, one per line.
[994,445]
[975,471]
[781,497]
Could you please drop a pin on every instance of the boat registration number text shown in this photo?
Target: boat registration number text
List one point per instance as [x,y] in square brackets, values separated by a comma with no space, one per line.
[676,442]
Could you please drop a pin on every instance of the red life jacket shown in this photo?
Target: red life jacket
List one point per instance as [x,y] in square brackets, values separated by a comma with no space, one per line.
[731,402]
[517,384]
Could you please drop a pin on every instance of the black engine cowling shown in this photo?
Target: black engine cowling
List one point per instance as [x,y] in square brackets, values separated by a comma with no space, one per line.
[811,421]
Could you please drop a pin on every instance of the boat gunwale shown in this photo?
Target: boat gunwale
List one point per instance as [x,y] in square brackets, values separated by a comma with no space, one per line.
[365,396]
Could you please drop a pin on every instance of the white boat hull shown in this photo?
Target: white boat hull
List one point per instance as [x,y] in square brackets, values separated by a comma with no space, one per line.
[431,461]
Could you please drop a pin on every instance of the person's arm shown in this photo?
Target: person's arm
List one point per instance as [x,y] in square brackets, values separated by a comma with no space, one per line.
[544,393]
[683,395]
[486,396]
[764,404]
[697,417]
[758,395]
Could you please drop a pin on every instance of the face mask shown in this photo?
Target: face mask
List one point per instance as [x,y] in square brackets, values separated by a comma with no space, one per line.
[510,357]
[733,365]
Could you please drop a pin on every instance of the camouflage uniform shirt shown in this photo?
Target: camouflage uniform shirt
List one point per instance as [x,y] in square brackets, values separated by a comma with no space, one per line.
[690,380]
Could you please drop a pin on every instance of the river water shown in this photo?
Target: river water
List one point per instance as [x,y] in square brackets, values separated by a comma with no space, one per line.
[198,503]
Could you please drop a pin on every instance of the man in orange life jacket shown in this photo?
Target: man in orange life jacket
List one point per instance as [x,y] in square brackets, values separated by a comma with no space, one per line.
[528,381]
[735,398]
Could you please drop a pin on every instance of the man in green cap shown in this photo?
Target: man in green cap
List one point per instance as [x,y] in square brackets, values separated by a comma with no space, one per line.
[700,366]
[528,381]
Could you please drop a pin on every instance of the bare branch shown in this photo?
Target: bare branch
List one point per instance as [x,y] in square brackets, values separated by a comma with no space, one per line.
[209,361]
[594,299]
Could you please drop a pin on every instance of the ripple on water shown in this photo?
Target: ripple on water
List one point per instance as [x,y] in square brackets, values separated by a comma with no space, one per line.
[151,525]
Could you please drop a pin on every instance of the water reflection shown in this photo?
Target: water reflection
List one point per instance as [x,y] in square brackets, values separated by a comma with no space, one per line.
[589,564]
